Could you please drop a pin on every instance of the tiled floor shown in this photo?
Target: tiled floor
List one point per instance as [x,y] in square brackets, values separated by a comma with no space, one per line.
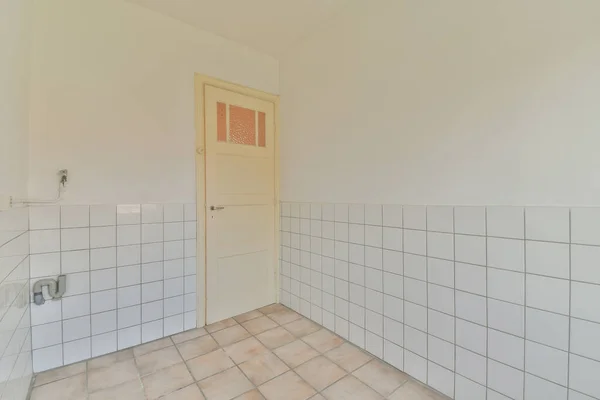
[272,353]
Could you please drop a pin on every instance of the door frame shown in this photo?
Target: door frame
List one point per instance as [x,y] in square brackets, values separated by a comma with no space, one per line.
[200,82]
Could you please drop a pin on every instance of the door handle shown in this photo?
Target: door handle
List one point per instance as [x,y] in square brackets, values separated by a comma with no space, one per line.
[216,208]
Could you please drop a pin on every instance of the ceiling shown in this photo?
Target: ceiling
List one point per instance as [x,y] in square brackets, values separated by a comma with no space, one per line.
[269,26]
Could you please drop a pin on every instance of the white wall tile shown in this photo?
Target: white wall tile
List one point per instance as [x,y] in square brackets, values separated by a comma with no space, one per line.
[152,311]
[104,301]
[44,241]
[584,301]
[440,245]
[103,279]
[466,389]
[440,298]
[506,222]
[393,354]
[78,283]
[506,317]
[583,375]
[470,249]
[104,322]
[548,294]
[415,341]
[129,296]
[77,351]
[74,216]
[128,235]
[174,212]
[42,265]
[341,212]
[506,285]
[152,331]
[440,352]
[584,263]
[415,316]
[415,217]
[103,258]
[130,275]
[392,215]
[76,306]
[152,233]
[550,259]
[356,213]
[103,215]
[415,266]
[471,365]
[173,268]
[506,254]
[584,338]
[415,242]
[44,217]
[373,236]
[415,366]
[130,316]
[505,379]
[341,231]
[75,261]
[373,342]
[506,348]
[173,325]
[536,388]
[470,278]
[75,239]
[440,219]
[392,238]
[46,335]
[104,344]
[153,252]
[469,220]
[152,213]
[548,328]
[173,250]
[393,308]
[415,291]
[546,362]
[173,231]
[573,395]
[374,322]
[373,214]
[471,307]
[393,285]
[440,272]
[76,328]
[129,337]
[50,311]
[441,325]
[47,358]
[471,336]
[129,214]
[585,225]
[547,223]
[440,379]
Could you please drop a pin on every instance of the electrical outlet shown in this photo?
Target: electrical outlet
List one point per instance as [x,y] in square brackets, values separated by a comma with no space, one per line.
[4,202]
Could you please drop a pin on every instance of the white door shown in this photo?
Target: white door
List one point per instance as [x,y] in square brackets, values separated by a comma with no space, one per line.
[240,203]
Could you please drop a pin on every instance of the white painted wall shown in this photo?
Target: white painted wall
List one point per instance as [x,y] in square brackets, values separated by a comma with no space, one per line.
[15,30]
[461,102]
[112,99]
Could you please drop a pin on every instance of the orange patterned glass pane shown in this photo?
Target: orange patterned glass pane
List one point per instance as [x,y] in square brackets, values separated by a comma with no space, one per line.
[242,125]
[262,129]
[221,123]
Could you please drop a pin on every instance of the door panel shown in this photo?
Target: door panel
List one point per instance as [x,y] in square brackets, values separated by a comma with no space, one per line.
[240,185]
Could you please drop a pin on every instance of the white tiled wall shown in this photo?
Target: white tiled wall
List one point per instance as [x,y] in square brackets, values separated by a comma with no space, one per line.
[15,330]
[478,302]
[131,277]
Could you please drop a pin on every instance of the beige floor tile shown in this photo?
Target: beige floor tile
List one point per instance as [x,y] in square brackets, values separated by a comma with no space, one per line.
[348,357]
[226,385]
[252,395]
[270,309]
[230,335]
[146,348]
[72,388]
[296,353]
[110,359]
[317,397]
[350,388]
[131,390]
[187,393]
[189,335]
[166,381]
[302,327]
[113,375]
[248,316]
[323,340]
[217,326]
[320,372]
[263,368]
[209,364]
[288,386]
[258,325]
[415,391]
[197,347]
[245,350]
[59,373]
[152,362]
[381,377]
[284,316]
[275,338]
